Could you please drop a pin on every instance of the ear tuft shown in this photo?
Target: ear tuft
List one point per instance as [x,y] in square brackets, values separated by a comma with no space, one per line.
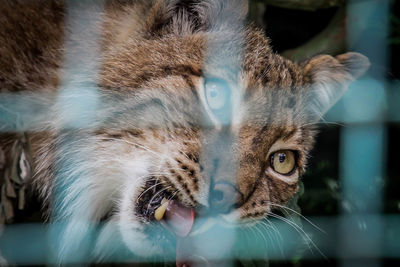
[355,63]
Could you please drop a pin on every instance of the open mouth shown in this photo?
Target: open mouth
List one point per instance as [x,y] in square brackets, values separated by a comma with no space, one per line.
[157,204]
[151,199]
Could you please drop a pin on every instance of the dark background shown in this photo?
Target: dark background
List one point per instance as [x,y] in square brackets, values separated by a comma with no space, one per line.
[290,28]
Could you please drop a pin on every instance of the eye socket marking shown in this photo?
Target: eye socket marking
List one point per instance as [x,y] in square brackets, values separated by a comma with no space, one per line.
[283,162]
[218,98]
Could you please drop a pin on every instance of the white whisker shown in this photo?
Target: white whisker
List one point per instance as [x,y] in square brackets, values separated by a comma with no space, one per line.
[135,144]
[297,213]
[298,229]
[156,194]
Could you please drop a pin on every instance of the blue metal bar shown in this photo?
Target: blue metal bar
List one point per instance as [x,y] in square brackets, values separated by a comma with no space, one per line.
[363,139]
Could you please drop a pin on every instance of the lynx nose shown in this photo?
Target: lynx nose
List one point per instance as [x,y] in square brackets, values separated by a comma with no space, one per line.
[224,196]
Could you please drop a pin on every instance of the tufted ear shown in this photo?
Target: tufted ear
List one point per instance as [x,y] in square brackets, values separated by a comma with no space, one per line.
[330,76]
[188,16]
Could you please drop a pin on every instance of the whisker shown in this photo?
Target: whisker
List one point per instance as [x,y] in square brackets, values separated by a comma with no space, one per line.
[274,228]
[173,195]
[262,233]
[297,213]
[148,189]
[277,236]
[135,144]
[152,174]
[156,194]
[322,122]
[298,229]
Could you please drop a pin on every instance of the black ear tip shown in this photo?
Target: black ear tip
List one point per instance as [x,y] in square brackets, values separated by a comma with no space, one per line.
[355,63]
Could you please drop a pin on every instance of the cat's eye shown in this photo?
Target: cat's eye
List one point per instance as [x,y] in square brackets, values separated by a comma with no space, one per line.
[217,94]
[283,162]
[218,98]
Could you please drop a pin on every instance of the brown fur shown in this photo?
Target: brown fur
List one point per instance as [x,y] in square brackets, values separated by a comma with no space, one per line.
[155,54]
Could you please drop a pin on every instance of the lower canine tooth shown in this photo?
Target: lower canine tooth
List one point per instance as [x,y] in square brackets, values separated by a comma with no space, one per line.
[160,211]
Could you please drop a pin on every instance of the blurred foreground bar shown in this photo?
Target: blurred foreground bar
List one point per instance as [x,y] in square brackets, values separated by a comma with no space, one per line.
[29,244]
[363,140]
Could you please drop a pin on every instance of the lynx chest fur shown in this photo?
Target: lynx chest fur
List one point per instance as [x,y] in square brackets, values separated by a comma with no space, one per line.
[147,115]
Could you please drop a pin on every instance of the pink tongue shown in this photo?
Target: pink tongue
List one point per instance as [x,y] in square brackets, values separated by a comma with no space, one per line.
[180,220]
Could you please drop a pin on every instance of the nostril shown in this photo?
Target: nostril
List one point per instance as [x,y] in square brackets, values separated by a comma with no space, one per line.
[223,197]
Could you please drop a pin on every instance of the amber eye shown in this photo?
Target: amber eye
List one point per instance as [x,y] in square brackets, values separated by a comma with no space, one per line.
[283,162]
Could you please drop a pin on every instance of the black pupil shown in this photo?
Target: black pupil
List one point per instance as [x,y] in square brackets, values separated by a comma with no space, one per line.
[282,157]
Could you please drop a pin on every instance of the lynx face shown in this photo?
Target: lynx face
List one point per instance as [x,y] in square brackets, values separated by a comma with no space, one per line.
[195,111]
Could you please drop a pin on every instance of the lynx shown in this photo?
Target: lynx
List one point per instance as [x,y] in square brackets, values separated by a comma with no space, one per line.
[144,115]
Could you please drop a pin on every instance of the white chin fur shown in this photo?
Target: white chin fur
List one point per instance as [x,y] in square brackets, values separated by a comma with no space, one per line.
[130,227]
[137,241]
